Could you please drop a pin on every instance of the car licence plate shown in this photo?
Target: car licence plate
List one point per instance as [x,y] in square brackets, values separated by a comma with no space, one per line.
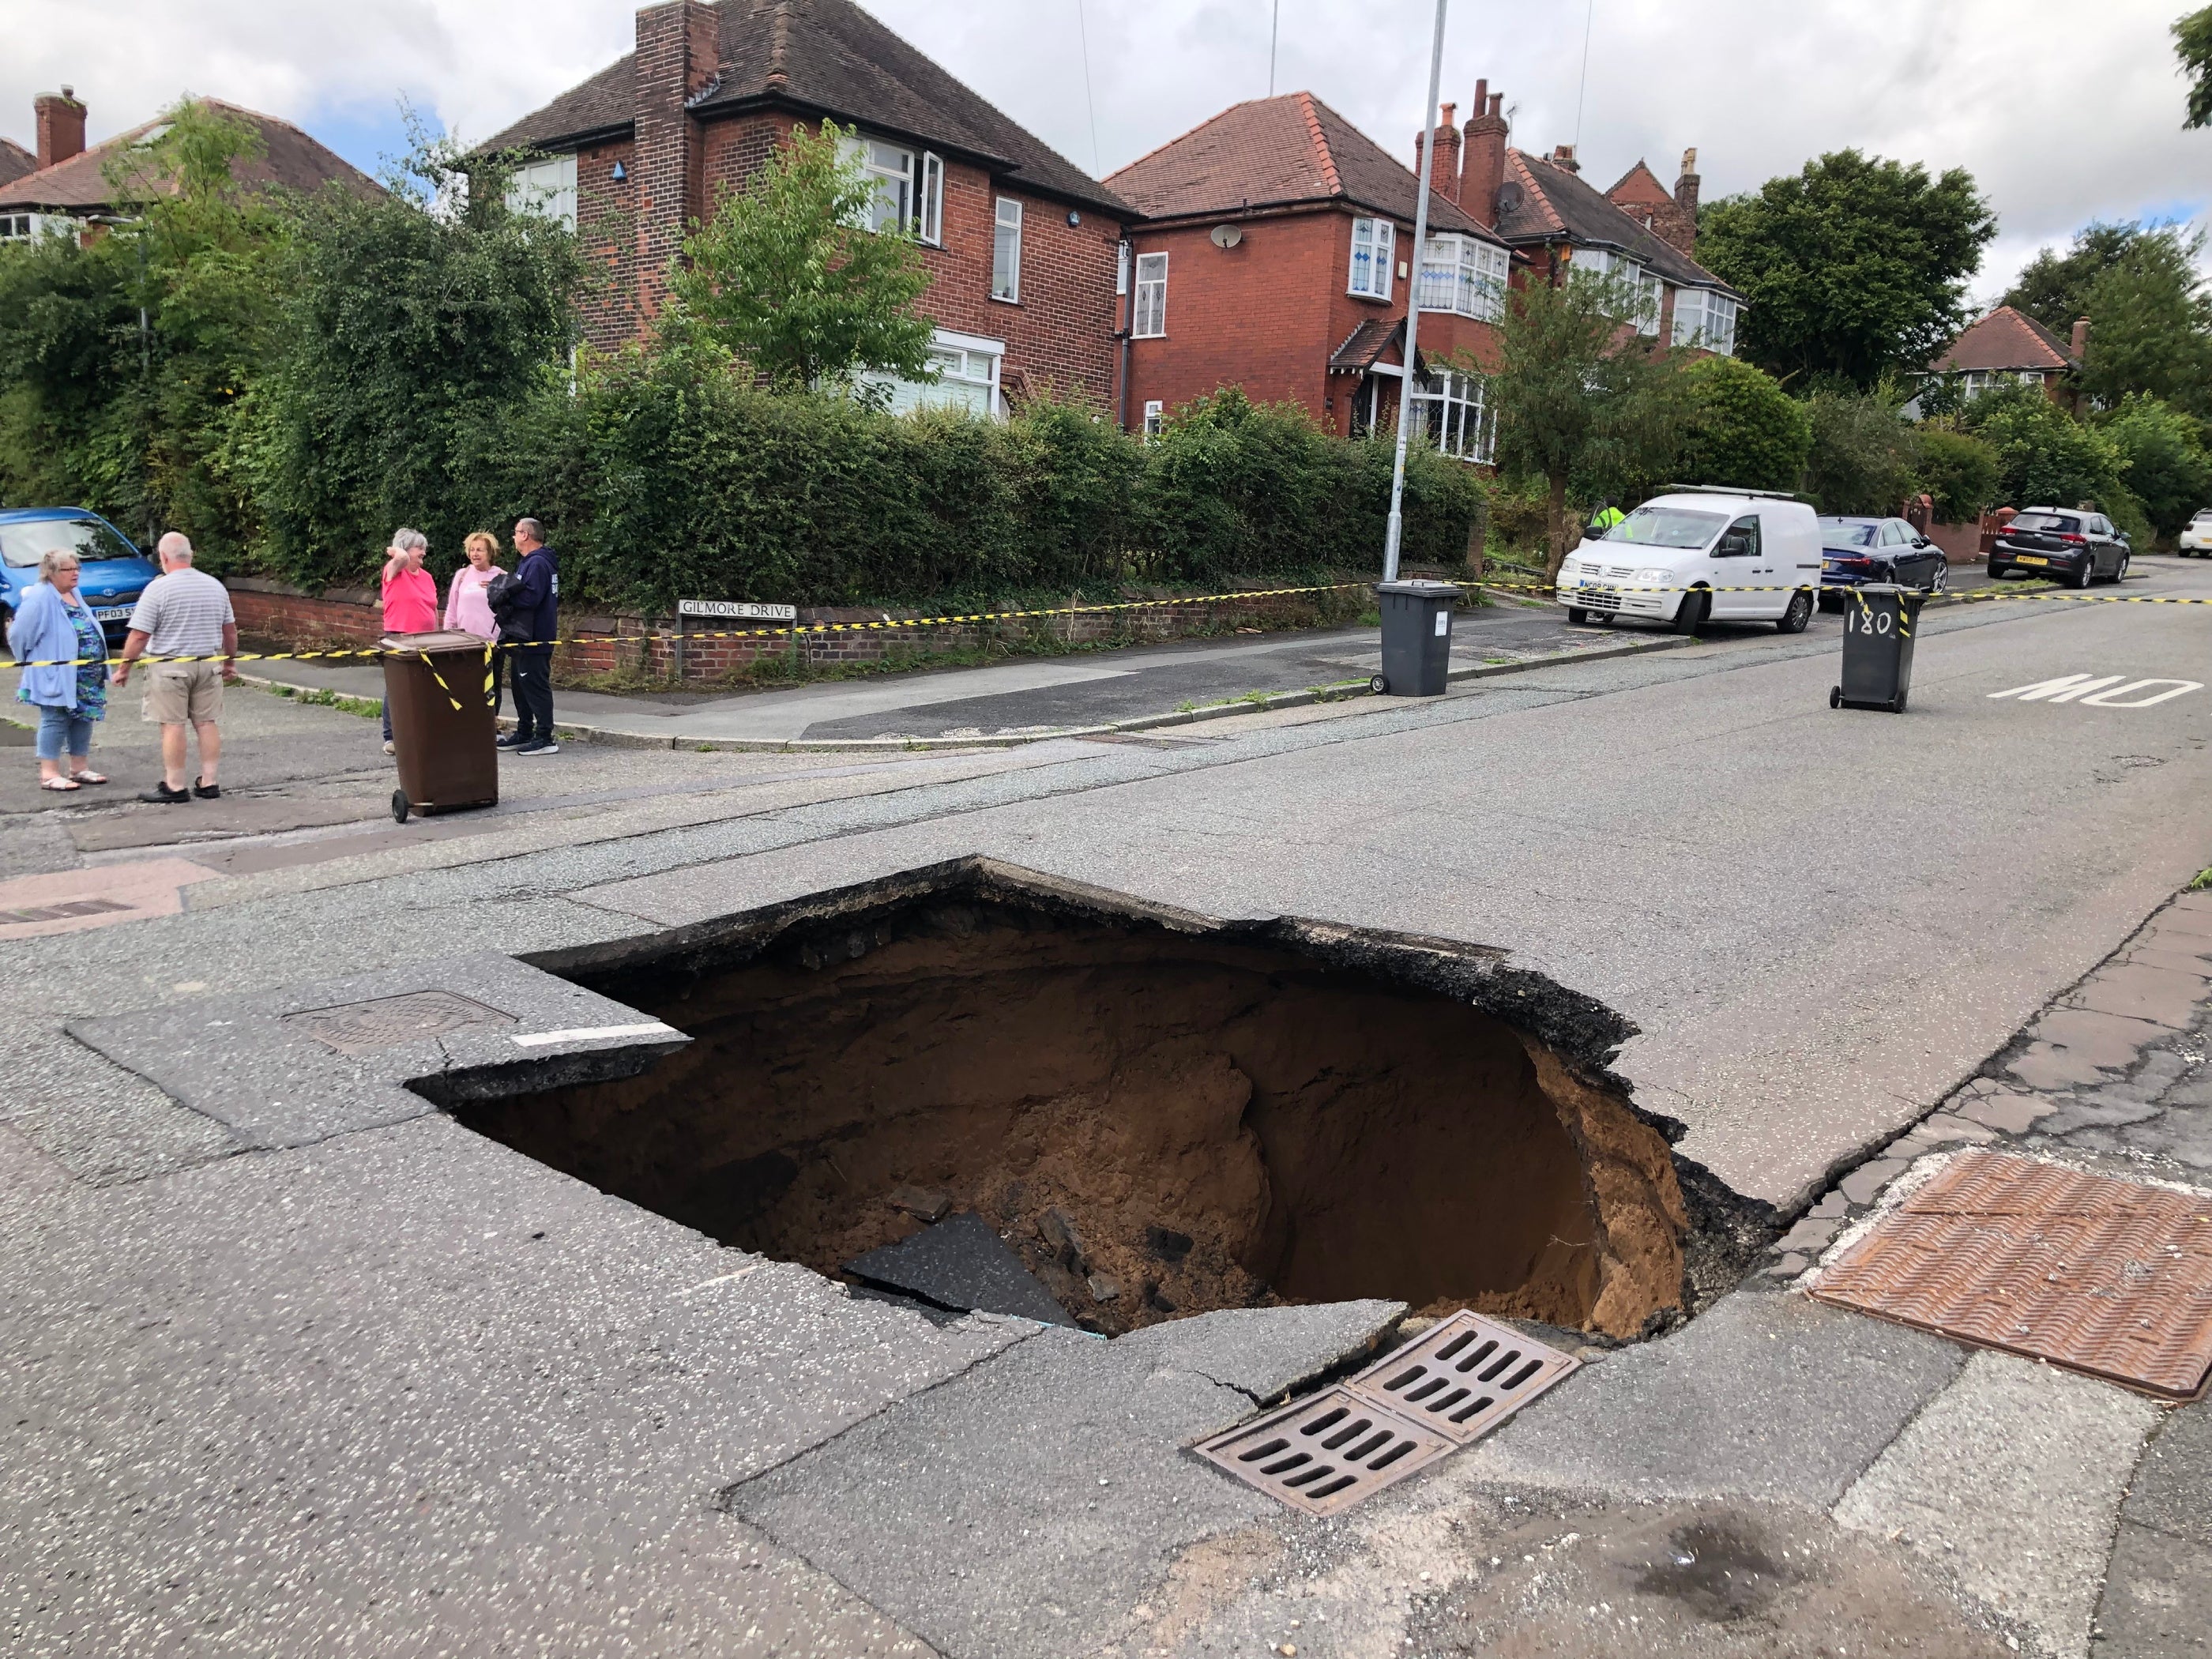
[2030,558]
[112,613]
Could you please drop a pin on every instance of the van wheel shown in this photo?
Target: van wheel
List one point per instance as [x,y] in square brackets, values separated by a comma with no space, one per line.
[1578,615]
[1799,612]
[1690,615]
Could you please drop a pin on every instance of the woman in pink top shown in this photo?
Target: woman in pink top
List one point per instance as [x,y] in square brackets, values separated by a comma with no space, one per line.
[411,595]
[468,609]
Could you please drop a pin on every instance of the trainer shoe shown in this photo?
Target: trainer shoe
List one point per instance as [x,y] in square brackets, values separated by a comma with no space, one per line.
[388,749]
[509,740]
[541,746]
[161,795]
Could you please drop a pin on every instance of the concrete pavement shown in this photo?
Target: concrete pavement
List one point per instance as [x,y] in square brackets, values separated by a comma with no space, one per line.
[403,1390]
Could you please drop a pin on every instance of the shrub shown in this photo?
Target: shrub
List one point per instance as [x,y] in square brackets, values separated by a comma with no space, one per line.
[2044,456]
[1960,473]
[2166,468]
[1863,455]
[1744,429]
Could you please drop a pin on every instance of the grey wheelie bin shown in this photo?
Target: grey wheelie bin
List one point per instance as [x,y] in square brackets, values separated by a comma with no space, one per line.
[441,722]
[1879,622]
[1417,618]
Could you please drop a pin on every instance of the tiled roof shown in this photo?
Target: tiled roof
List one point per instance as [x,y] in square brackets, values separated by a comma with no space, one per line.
[829,55]
[1278,152]
[1367,345]
[15,161]
[289,158]
[2006,340]
[1556,204]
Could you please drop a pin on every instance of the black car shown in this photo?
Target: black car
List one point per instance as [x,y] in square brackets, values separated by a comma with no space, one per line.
[1855,551]
[2072,545]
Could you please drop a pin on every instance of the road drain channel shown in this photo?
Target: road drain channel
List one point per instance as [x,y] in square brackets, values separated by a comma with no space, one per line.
[1160,1114]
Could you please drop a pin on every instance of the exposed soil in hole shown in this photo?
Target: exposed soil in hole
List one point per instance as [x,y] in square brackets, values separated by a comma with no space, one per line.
[1161,1120]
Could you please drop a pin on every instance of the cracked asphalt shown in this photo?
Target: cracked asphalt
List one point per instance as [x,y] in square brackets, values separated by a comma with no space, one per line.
[396,1389]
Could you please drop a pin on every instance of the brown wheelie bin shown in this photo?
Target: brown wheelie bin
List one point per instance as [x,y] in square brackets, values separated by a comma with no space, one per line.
[441,722]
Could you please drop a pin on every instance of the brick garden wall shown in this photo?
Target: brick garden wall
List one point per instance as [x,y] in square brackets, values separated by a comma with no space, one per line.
[274,616]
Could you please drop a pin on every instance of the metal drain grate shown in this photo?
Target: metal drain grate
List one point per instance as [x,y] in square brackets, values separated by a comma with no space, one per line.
[1325,1454]
[67,912]
[362,1028]
[2099,1275]
[1463,1376]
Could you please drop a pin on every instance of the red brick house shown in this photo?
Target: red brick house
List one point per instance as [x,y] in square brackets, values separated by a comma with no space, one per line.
[1638,231]
[1021,244]
[1276,254]
[2010,345]
[67,186]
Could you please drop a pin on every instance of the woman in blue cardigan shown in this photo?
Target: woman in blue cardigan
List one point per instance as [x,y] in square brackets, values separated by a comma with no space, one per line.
[54,627]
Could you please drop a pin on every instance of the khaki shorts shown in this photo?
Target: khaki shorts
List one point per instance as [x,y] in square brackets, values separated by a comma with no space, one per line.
[178,692]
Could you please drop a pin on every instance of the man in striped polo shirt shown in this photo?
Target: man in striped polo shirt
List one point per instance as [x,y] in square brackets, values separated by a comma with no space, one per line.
[184,612]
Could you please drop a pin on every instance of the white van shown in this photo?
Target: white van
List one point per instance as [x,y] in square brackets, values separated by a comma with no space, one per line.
[1701,555]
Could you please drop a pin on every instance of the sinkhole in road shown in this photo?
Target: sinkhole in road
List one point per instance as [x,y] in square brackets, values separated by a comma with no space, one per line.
[1162,1114]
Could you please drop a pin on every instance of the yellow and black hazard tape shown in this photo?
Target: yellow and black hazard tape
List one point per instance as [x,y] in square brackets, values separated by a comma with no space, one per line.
[789,631]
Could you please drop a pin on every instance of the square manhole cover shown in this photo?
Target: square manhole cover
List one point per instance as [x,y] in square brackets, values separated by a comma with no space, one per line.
[1463,1376]
[363,1027]
[1325,1454]
[2103,1276]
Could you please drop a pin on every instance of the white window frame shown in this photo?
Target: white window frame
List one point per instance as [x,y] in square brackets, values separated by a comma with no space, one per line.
[909,187]
[1451,411]
[1006,252]
[1374,258]
[1706,319]
[971,369]
[1466,275]
[546,187]
[1148,317]
[1155,415]
[1121,253]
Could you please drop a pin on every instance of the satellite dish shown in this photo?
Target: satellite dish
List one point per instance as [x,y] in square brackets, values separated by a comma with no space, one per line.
[1509,199]
[1227,236]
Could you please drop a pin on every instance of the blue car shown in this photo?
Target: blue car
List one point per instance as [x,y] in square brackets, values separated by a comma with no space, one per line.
[114,573]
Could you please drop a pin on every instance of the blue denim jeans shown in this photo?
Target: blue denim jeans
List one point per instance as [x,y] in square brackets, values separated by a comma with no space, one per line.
[61,731]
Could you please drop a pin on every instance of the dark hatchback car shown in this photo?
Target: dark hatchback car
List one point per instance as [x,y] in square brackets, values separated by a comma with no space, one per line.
[2075,547]
[113,573]
[1856,551]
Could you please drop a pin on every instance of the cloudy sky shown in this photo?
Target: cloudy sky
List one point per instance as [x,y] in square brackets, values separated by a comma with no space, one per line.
[2064,110]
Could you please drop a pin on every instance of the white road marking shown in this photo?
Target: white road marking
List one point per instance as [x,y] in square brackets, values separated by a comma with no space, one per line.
[2106,692]
[595,1033]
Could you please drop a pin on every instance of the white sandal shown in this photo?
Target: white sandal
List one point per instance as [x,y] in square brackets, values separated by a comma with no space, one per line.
[60,786]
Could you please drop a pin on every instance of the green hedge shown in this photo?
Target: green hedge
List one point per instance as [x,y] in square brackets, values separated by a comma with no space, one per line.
[668,476]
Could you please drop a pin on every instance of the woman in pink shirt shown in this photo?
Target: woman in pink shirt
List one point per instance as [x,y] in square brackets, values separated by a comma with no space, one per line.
[468,609]
[411,596]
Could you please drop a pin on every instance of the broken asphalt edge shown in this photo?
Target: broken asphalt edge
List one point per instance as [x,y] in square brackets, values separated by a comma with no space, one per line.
[614,737]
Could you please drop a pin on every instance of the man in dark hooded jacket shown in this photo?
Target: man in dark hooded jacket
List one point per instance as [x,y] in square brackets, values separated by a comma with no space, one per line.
[528,626]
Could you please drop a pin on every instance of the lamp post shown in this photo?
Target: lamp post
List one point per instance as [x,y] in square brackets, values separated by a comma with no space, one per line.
[1396,534]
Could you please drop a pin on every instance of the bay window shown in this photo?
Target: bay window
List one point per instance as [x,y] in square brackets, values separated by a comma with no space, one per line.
[1466,275]
[1642,290]
[908,185]
[1451,411]
[968,372]
[1374,247]
[1706,319]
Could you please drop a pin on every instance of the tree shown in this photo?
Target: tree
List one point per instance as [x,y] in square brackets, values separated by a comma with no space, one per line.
[2045,457]
[1580,398]
[1863,453]
[1742,428]
[413,323]
[787,276]
[2150,325]
[1959,471]
[2165,464]
[2192,41]
[2054,288]
[1853,267]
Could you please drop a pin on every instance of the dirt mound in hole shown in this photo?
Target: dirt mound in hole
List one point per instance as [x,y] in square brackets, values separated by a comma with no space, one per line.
[1159,1121]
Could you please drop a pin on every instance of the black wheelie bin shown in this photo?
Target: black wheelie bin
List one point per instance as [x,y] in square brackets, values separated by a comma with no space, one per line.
[1880,621]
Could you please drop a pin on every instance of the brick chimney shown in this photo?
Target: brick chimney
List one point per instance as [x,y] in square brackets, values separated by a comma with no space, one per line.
[1563,156]
[2079,350]
[1444,173]
[1686,198]
[678,57]
[1482,166]
[61,126]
